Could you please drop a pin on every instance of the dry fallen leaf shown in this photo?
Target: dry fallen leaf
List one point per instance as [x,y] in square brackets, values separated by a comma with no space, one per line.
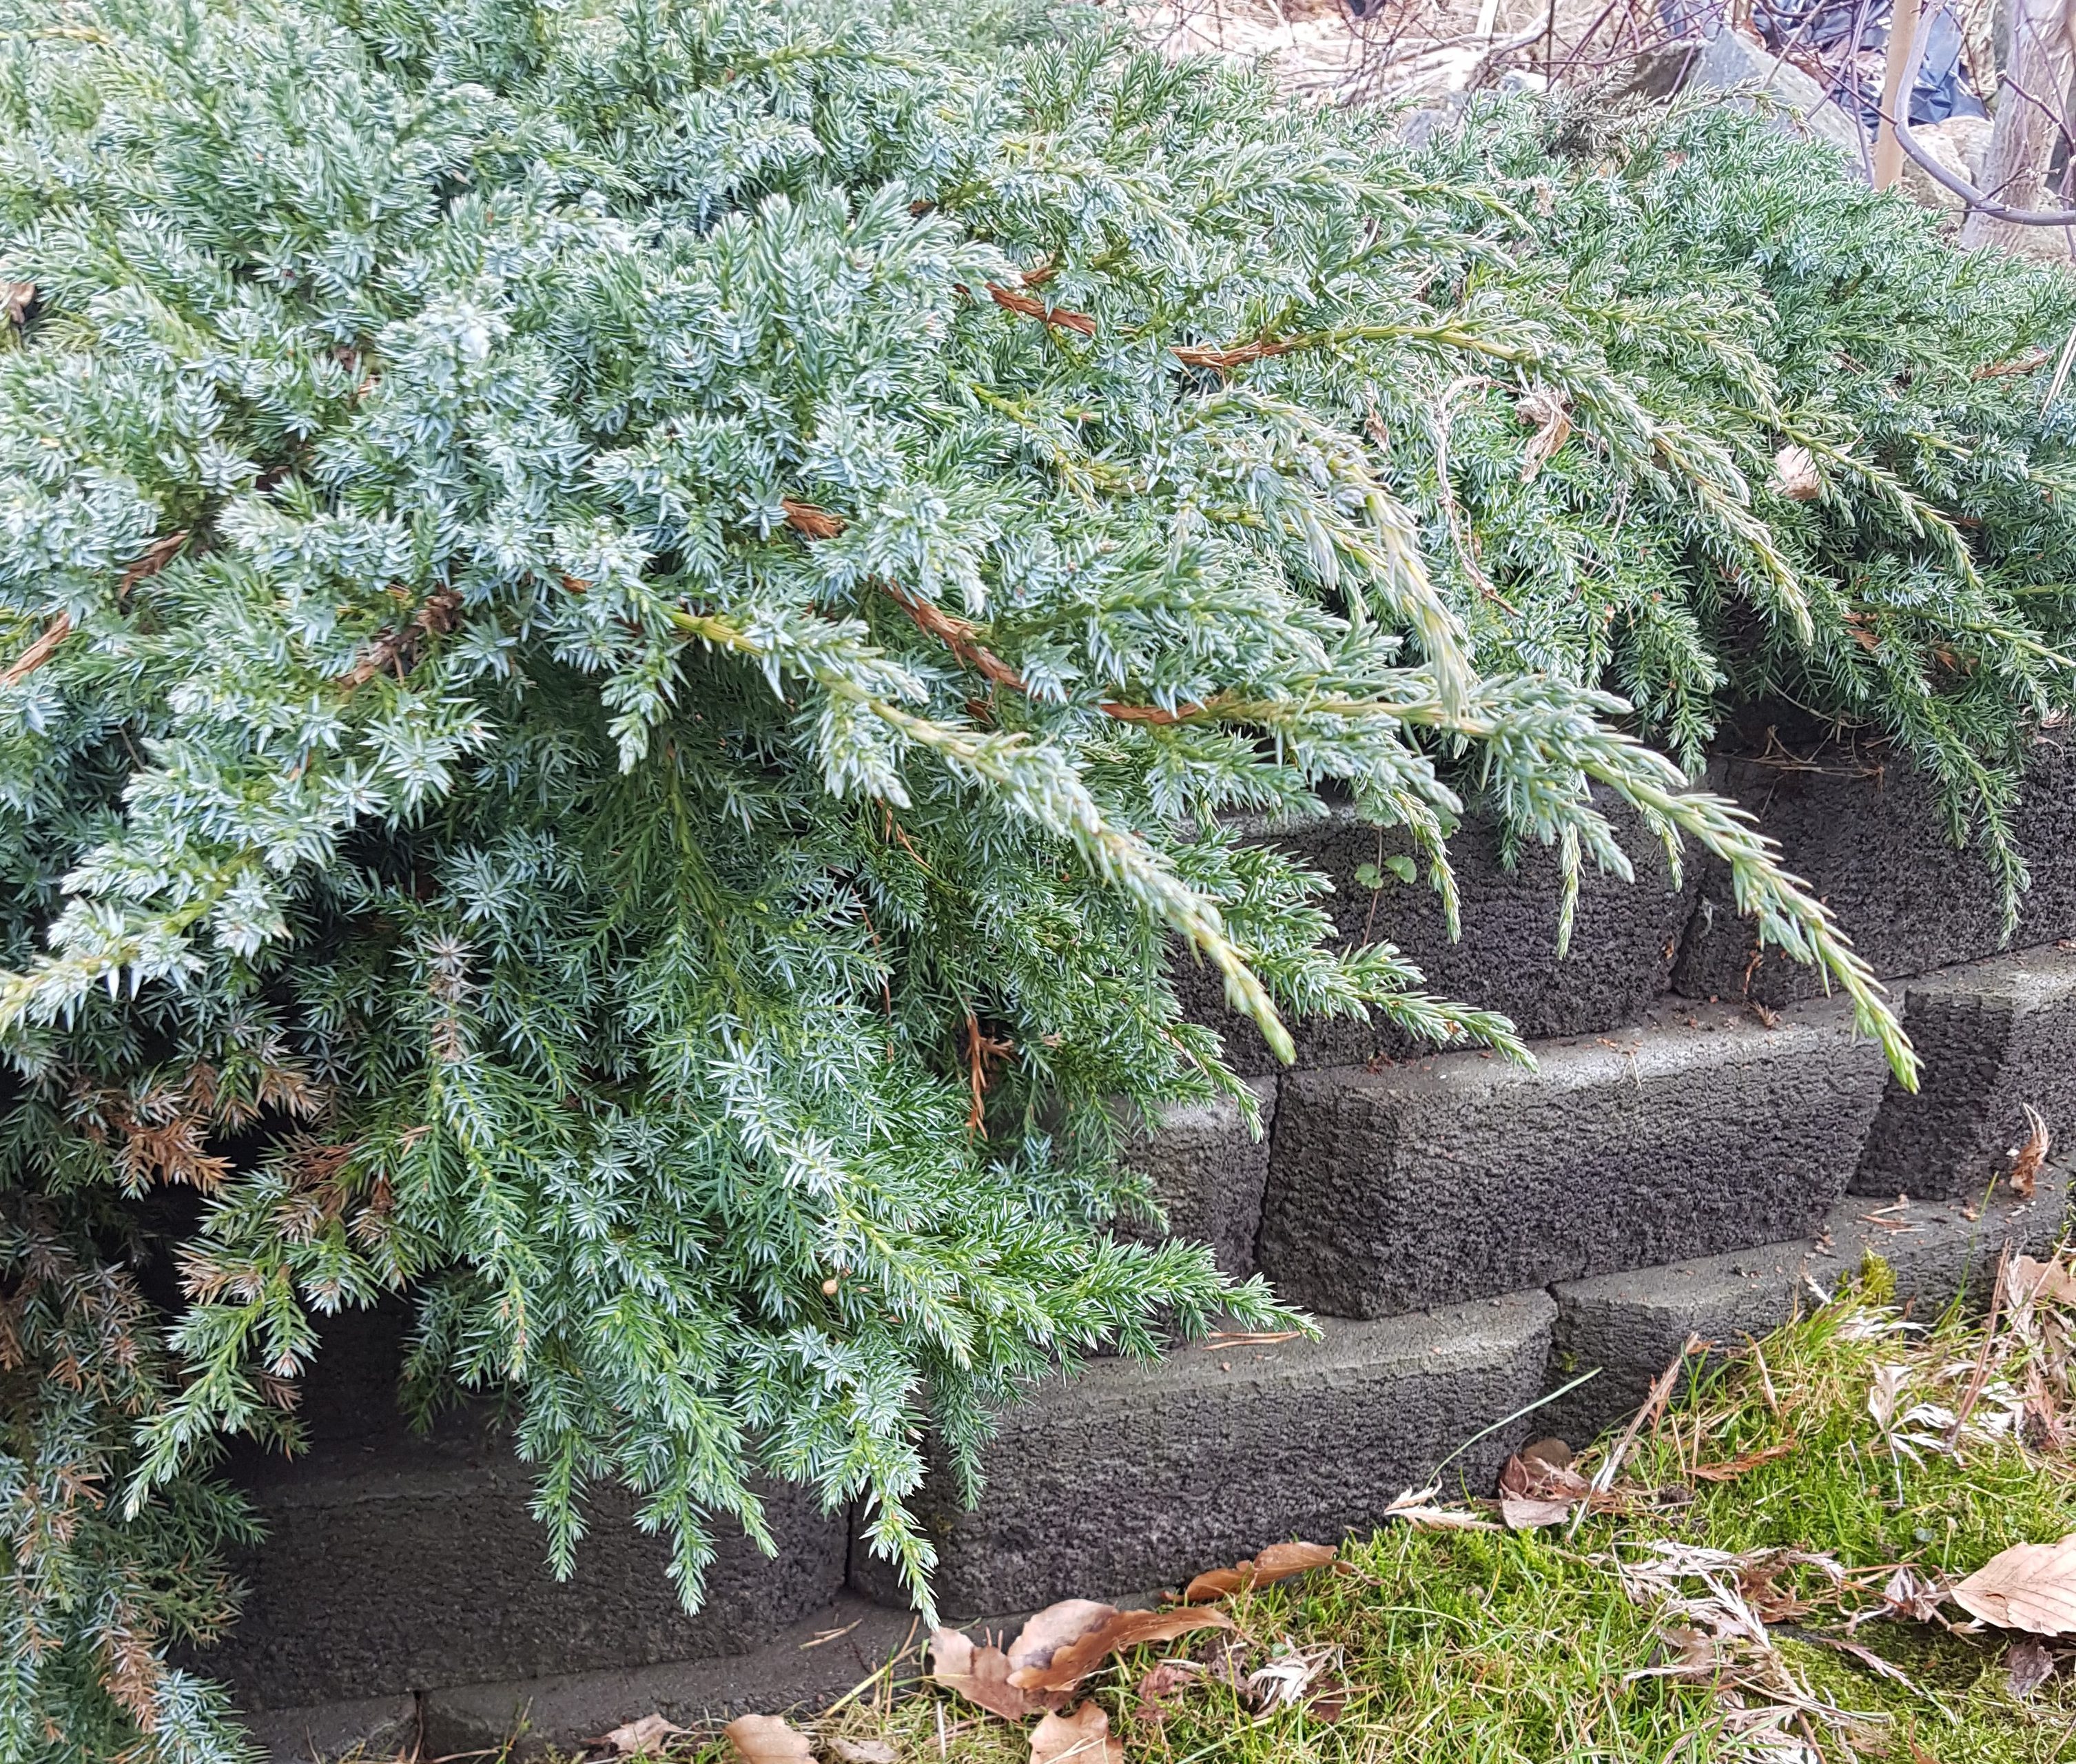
[862,1751]
[1162,1683]
[1795,474]
[766,1739]
[1083,1735]
[16,298]
[1066,1666]
[634,1739]
[1278,1562]
[1056,1627]
[1551,417]
[2030,1587]
[2027,1666]
[980,1674]
[2029,1158]
[2030,1280]
[1539,1491]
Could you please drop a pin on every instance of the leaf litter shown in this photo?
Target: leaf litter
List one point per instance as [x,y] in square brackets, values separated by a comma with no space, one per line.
[1935,1453]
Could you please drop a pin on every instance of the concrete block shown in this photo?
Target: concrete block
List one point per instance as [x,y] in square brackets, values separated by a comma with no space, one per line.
[1871,838]
[1632,1326]
[382,1727]
[1209,1171]
[1996,1035]
[1464,1175]
[393,1564]
[805,1666]
[1625,939]
[1132,1476]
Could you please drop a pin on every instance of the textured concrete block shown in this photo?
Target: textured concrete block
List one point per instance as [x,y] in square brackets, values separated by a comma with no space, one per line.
[1871,841]
[1622,947]
[1464,1175]
[1131,1476]
[807,1665]
[1209,1171]
[1996,1035]
[393,1564]
[383,1727]
[1632,1326]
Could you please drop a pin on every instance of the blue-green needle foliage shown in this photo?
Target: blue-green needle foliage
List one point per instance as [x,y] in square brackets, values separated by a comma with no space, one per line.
[631,630]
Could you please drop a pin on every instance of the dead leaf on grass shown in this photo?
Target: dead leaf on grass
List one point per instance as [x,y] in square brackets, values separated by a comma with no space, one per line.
[1160,1685]
[1278,1562]
[2027,1666]
[2029,1279]
[634,1739]
[980,1674]
[862,1751]
[2030,1587]
[2029,1158]
[1538,1490]
[1056,1627]
[764,1739]
[1081,1736]
[1066,1666]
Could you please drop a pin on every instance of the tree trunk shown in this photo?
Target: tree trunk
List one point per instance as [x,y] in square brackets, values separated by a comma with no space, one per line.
[2030,107]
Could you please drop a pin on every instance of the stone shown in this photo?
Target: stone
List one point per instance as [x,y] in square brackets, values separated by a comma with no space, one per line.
[1732,62]
[1133,1476]
[393,1564]
[381,1727]
[1870,840]
[1464,1175]
[1995,1036]
[807,1666]
[1623,944]
[1632,1326]
[1208,1171]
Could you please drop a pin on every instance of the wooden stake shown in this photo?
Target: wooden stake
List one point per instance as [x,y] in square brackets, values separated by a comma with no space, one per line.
[1898,77]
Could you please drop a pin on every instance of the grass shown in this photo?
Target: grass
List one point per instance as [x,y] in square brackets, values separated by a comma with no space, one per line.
[1527,1647]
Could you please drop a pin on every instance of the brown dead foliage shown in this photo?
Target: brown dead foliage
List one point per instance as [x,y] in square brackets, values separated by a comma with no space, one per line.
[768,1739]
[399,649]
[2030,1587]
[1074,1660]
[1081,1736]
[1278,1562]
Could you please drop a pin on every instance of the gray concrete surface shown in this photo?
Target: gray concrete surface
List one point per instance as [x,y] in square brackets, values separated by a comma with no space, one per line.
[1631,1326]
[807,1665]
[1622,949]
[1135,1476]
[1209,1171]
[1871,838]
[1995,1036]
[393,1562]
[1462,1177]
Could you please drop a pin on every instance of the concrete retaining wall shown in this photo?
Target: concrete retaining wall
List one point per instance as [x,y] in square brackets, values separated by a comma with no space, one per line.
[1702,1146]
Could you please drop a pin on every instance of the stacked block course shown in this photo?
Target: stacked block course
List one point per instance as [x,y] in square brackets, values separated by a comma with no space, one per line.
[1703,1145]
